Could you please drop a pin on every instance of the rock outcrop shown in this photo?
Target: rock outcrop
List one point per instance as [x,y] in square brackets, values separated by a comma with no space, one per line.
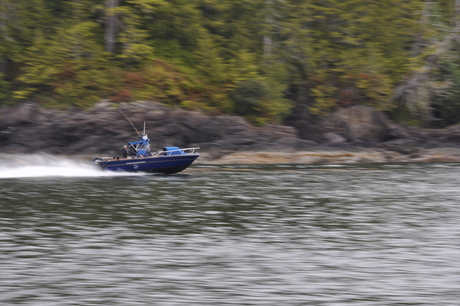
[355,134]
[29,128]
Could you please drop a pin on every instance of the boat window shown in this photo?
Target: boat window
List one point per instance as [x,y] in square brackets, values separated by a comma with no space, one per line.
[145,147]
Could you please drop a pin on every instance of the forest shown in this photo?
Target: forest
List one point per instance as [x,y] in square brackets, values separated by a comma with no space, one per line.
[253,58]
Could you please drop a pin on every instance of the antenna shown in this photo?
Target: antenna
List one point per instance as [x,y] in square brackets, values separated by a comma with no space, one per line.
[123,113]
[144,128]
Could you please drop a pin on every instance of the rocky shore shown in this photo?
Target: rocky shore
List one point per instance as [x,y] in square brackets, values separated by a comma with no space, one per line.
[358,134]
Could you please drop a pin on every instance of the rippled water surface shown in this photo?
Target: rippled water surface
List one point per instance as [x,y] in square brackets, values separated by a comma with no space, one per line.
[230,235]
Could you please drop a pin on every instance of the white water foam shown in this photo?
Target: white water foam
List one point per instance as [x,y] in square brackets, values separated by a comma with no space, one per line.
[45,165]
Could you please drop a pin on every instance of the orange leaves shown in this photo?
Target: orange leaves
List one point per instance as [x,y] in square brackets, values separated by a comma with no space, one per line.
[134,79]
[123,96]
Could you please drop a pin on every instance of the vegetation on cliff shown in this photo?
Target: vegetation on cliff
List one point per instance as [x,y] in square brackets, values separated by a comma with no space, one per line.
[254,58]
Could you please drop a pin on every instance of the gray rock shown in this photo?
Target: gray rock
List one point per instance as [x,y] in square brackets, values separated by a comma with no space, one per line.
[334,138]
[28,128]
[403,146]
[20,114]
[358,122]
[104,130]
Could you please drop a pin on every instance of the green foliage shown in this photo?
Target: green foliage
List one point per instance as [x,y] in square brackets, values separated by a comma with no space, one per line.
[248,96]
[277,106]
[133,39]
[446,109]
[231,56]
[70,68]
[161,81]
[255,100]
[430,93]
[347,52]
[4,90]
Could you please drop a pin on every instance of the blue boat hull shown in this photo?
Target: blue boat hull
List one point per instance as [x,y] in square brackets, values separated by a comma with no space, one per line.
[156,164]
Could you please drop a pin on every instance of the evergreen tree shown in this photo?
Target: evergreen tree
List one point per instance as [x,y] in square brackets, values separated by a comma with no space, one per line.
[235,56]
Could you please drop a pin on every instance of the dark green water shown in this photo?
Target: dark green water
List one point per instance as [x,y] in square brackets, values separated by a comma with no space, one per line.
[234,235]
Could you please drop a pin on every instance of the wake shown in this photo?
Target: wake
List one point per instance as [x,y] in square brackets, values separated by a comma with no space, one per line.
[45,165]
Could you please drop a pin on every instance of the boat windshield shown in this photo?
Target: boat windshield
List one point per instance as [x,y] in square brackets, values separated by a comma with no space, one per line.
[145,147]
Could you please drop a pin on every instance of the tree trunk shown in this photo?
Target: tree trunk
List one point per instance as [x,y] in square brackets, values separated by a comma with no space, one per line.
[110,26]
[417,47]
[3,65]
[268,26]
[456,31]
[8,18]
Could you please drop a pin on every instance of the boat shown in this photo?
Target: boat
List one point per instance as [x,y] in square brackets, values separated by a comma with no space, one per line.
[137,157]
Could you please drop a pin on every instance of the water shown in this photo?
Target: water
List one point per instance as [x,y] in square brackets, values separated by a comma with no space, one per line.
[229,235]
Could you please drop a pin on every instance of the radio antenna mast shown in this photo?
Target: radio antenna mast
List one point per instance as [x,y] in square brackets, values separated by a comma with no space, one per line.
[127,118]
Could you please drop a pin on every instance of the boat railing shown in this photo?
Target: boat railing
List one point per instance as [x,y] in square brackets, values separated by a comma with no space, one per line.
[185,151]
[176,152]
[103,158]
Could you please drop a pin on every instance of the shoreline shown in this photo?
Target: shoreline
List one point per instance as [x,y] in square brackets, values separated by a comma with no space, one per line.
[441,155]
[313,157]
[29,128]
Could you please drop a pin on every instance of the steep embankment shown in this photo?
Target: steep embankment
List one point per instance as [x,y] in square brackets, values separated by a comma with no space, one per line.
[358,134]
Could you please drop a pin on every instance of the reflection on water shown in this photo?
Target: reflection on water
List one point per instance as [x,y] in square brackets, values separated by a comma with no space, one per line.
[234,235]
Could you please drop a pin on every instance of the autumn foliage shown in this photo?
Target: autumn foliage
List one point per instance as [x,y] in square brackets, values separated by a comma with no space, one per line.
[251,58]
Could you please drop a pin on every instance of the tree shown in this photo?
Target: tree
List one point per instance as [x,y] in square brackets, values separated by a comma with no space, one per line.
[431,89]
[67,67]
[111,25]
[341,53]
